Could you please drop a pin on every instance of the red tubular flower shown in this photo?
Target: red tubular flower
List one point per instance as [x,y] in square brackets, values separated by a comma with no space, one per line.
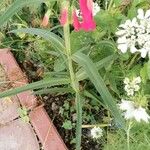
[87,23]
[76,23]
[86,7]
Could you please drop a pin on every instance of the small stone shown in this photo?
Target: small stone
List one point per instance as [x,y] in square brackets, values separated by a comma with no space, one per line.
[45,97]
[54,106]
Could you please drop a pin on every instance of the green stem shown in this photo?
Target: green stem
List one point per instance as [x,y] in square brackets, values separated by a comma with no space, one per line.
[75,86]
[128,135]
[110,4]
[132,61]
[96,125]
[74,82]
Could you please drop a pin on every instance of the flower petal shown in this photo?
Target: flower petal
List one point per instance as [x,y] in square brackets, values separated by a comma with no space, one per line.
[123,47]
[140,14]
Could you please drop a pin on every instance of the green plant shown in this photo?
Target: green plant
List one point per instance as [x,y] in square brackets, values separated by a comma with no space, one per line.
[78,66]
[23,112]
[87,65]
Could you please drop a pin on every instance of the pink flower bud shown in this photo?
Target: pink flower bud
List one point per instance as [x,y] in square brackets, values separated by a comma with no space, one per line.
[45,20]
[64,16]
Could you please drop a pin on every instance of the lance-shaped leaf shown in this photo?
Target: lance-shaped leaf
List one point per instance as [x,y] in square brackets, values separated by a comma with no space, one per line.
[99,84]
[36,85]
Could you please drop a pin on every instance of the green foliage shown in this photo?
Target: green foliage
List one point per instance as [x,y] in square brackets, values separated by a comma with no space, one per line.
[67,125]
[23,112]
[108,20]
[36,85]
[99,84]
[80,39]
[15,7]
[59,65]
[139,139]
[86,66]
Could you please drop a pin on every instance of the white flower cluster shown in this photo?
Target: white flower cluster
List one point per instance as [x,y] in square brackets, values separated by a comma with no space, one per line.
[96,132]
[131,111]
[135,34]
[96,9]
[132,86]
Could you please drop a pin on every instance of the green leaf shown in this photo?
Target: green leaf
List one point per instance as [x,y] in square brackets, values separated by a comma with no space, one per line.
[93,97]
[15,7]
[99,84]
[54,90]
[81,74]
[117,2]
[109,21]
[80,39]
[59,65]
[102,49]
[67,125]
[36,85]
[55,40]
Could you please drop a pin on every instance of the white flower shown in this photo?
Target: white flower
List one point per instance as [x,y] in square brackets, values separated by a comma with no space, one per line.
[130,92]
[140,114]
[132,112]
[132,86]
[96,9]
[141,14]
[126,81]
[96,132]
[134,35]
[136,80]
[123,47]
[136,87]
[78,13]
[126,105]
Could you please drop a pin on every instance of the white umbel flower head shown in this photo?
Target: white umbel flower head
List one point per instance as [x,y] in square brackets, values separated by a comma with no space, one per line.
[134,35]
[133,112]
[132,86]
[140,114]
[126,105]
[96,132]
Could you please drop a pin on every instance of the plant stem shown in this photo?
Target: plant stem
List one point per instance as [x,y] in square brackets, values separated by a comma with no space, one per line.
[97,125]
[74,82]
[75,86]
[110,4]
[132,61]
[128,135]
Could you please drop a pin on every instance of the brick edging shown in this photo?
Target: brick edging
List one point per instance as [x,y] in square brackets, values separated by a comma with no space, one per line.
[40,120]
